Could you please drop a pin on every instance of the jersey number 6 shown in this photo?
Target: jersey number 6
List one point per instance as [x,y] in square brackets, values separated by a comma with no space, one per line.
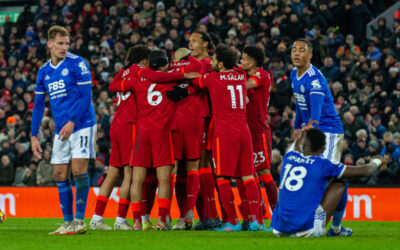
[154,97]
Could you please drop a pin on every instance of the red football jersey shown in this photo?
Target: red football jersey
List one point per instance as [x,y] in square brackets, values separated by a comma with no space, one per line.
[193,105]
[257,108]
[154,109]
[228,99]
[126,106]
[207,65]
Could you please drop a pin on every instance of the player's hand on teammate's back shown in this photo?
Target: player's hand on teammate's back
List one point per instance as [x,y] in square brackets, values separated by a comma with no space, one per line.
[66,131]
[177,94]
[309,125]
[191,75]
[36,148]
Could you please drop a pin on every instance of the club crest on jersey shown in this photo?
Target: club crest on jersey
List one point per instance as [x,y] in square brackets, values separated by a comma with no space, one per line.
[64,72]
[47,77]
[257,74]
[84,69]
[302,89]
[316,84]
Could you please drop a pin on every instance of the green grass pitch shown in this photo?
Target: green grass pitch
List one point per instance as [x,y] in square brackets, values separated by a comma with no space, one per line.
[33,234]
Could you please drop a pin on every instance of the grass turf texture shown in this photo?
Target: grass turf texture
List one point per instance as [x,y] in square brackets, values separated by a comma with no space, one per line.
[33,234]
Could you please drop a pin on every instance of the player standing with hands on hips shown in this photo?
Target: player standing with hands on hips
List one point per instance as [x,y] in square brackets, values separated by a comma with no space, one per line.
[67,80]
[315,108]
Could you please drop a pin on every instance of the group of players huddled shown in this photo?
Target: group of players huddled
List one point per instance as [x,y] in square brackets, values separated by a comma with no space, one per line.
[188,126]
[182,124]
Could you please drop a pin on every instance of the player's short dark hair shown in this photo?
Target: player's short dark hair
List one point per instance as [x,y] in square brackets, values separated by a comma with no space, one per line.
[316,138]
[206,38]
[137,53]
[309,44]
[157,59]
[226,55]
[256,53]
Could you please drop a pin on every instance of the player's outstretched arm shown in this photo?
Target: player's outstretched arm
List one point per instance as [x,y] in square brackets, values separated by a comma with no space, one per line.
[251,83]
[364,170]
[37,115]
[116,82]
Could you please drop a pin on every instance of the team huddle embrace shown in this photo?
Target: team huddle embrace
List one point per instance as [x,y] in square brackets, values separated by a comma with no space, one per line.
[190,127]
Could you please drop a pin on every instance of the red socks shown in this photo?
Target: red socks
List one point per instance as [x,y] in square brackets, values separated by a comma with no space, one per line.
[227,200]
[136,208]
[270,187]
[243,206]
[163,209]
[253,199]
[192,190]
[100,205]
[123,207]
[207,185]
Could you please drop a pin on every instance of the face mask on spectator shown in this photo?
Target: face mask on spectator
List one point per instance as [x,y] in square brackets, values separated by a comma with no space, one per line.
[91,47]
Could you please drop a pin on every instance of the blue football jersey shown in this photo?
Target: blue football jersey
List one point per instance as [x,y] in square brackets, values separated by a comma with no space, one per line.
[312,82]
[61,83]
[302,184]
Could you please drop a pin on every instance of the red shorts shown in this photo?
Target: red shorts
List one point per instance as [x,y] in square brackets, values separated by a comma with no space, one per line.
[153,147]
[233,155]
[188,137]
[207,141]
[122,140]
[262,146]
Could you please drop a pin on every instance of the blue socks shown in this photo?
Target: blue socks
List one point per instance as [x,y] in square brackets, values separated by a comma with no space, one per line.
[82,191]
[65,195]
[339,212]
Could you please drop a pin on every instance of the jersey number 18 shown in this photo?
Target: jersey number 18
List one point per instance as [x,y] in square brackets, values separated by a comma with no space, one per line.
[293,177]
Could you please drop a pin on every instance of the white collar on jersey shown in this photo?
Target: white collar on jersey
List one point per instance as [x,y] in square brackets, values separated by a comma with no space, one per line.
[58,64]
[298,78]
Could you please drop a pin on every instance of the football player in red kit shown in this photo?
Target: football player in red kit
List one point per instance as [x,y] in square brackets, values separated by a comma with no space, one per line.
[259,86]
[232,147]
[199,45]
[122,134]
[187,136]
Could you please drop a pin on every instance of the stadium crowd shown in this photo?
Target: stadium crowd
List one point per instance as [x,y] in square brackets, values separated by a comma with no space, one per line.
[363,74]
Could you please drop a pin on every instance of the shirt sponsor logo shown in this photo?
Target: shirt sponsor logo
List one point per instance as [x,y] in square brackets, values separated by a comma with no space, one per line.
[84,69]
[316,84]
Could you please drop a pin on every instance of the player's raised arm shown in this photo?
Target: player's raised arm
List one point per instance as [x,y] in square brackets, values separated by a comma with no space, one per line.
[162,77]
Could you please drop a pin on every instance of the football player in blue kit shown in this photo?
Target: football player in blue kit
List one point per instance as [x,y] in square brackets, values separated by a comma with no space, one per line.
[307,197]
[66,79]
[315,108]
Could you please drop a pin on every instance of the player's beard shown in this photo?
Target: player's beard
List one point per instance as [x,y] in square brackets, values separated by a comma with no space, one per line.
[215,68]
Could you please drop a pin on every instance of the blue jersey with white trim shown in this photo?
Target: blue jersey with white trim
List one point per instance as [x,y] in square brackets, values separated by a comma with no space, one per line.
[61,83]
[312,82]
[302,184]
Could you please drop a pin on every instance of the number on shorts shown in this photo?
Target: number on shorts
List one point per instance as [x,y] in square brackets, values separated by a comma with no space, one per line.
[84,141]
[151,94]
[296,175]
[233,95]
[259,157]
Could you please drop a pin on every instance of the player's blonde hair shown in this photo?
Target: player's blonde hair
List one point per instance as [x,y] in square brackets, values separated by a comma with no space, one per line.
[54,30]
[181,53]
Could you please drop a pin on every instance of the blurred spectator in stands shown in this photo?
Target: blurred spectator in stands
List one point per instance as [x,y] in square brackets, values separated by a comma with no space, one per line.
[373,150]
[376,128]
[352,124]
[382,32]
[394,123]
[357,15]
[393,146]
[45,171]
[6,171]
[349,49]
[373,52]
[330,70]
[29,176]
[359,149]
[276,159]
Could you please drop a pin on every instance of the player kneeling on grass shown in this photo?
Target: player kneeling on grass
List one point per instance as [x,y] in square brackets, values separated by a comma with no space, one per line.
[307,199]
[232,147]
[122,136]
